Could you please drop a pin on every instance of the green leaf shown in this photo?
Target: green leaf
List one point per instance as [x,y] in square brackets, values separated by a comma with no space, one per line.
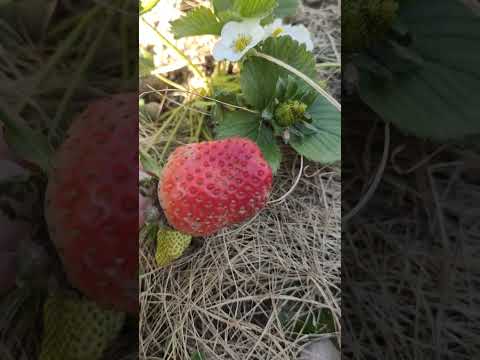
[27,143]
[254,8]
[324,144]
[238,123]
[258,80]
[290,88]
[146,63]
[248,125]
[199,21]
[269,146]
[259,77]
[221,5]
[267,20]
[227,16]
[291,52]
[286,8]
[438,99]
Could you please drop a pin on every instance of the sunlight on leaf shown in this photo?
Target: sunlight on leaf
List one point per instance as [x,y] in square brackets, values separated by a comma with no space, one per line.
[199,21]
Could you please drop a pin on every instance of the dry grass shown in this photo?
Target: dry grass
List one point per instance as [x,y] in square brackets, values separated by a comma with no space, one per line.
[229,297]
[323,21]
[408,276]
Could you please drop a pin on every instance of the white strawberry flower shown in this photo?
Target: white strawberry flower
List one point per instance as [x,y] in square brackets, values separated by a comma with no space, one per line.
[297,32]
[237,38]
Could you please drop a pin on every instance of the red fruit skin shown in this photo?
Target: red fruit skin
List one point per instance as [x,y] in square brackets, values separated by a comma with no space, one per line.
[207,186]
[91,203]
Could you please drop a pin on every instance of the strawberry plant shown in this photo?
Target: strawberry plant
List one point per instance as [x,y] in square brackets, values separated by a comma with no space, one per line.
[277,98]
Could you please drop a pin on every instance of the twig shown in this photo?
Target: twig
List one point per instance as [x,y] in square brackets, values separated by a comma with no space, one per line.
[297,180]
[202,96]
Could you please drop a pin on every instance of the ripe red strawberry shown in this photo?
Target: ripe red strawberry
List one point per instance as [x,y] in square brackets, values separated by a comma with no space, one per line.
[91,203]
[207,186]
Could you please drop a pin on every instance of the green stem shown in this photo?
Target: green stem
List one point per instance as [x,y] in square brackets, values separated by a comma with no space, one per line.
[199,129]
[206,134]
[179,52]
[302,76]
[327,65]
[170,82]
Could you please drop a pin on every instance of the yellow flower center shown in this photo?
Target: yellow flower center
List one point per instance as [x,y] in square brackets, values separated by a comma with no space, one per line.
[277,32]
[241,43]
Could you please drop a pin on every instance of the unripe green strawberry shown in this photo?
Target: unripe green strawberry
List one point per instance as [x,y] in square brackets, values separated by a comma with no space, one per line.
[290,112]
[77,329]
[91,202]
[207,186]
[170,246]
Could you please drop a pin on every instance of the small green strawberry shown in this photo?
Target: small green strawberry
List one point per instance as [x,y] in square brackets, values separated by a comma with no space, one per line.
[77,329]
[170,246]
[290,113]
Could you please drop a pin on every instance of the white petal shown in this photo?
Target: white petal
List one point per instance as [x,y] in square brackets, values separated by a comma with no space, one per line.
[257,33]
[270,28]
[301,34]
[277,23]
[235,56]
[254,29]
[220,51]
[232,30]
